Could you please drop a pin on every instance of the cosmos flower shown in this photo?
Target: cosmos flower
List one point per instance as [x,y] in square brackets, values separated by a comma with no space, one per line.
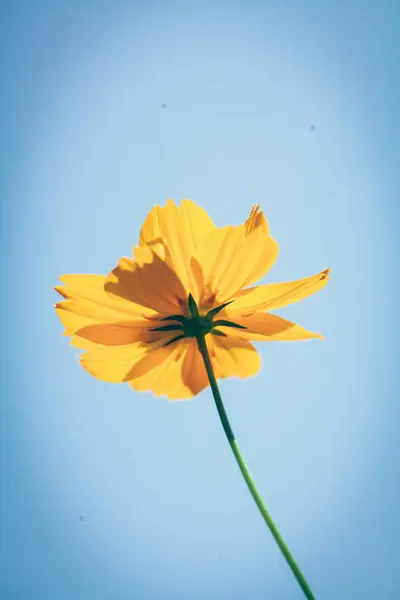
[135,324]
[182,312]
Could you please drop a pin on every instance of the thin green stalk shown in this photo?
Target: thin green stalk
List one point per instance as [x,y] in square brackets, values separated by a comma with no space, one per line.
[201,341]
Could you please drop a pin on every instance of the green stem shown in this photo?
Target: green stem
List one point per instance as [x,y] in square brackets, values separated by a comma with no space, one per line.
[245,471]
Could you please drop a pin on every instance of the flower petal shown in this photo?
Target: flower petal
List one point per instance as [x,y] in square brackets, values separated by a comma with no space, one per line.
[174,233]
[115,334]
[193,218]
[91,312]
[89,289]
[115,363]
[194,372]
[266,327]
[233,257]
[173,378]
[233,356]
[262,248]
[217,257]
[276,295]
[197,221]
[182,374]
[153,285]
[72,316]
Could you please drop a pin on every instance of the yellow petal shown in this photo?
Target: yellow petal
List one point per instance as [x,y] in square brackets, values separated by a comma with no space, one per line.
[193,218]
[172,378]
[217,257]
[151,232]
[193,370]
[254,258]
[88,312]
[255,220]
[88,308]
[90,288]
[182,374]
[178,242]
[114,363]
[117,364]
[266,327]
[233,356]
[113,334]
[276,295]
[70,320]
[174,233]
[233,257]
[144,254]
[262,250]
[153,285]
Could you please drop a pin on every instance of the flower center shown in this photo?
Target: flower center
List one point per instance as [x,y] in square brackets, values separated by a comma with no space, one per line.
[196,325]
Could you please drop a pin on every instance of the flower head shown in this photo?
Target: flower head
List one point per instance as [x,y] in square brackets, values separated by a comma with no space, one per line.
[139,323]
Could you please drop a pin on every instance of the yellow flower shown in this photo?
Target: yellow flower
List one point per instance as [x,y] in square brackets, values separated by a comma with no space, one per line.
[135,323]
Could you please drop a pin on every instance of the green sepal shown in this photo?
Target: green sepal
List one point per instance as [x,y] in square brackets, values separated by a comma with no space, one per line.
[175,339]
[194,311]
[179,318]
[223,323]
[219,333]
[168,328]
[214,311]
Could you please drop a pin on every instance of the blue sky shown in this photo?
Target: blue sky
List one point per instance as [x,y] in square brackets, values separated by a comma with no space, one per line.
[111,494]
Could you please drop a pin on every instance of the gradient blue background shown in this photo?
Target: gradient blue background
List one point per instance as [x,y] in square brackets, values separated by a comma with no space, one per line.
[111,495]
